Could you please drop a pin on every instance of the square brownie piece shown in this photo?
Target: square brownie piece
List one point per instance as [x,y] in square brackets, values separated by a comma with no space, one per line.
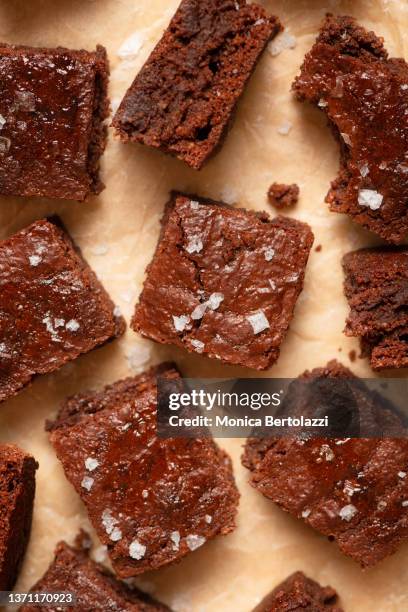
[17,488]
[53,104]
[353,490]
[72,571]
[224,281]
[300,593]
[376,287]
[364,94]
[52,306]
[184,98]
[151,500]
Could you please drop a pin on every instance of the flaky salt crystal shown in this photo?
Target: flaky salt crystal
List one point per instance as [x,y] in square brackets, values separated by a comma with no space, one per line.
[215,300]
[34,260]
[258,321]
[87,483]
[346,139]
[199,311]
[72,325]
[181,322]
[130,48]
[175,538]
[2,122]
[348,512]
[194,541]
[91,464]
[370,198]
[198,345]
[269,254]
[137,550]
[195,245]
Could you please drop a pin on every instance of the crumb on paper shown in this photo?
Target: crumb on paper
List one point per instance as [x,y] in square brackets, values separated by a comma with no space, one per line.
[283,196]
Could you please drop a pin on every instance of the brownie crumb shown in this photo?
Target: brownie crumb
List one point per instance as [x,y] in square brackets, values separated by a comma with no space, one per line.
[283,196]
[319,248]
[298,592]
[17,489]
[352,356]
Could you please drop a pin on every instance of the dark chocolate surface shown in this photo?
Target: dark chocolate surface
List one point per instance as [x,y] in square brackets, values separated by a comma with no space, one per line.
[184,98]
[52,107]
[365,95]
[52,306]
[223,281]
[151,500]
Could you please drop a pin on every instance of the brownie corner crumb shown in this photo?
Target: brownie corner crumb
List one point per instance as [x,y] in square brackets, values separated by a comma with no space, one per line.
[283,196]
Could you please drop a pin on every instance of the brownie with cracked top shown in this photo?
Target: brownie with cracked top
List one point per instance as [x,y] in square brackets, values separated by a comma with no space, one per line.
[17,489]
[364,94]
[92,585]
[53,103]
[376,287]
[353,490]
[52,306]
[223,281]
[184,98]
[298,593]
[151,500]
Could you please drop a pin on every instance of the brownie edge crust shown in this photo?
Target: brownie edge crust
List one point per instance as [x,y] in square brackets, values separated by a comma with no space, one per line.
[184,98]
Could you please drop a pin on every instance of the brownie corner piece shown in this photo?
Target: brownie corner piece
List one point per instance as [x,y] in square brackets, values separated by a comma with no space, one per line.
[298,592]
[364,94]
[93,587]
[151,500]
[183,100]
[17,489]
[52,306]
[376,287]
[223,281]
[53,107]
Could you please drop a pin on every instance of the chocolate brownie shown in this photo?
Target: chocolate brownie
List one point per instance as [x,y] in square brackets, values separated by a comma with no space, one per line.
[93,586]
[283,196]
[17,488]
[298,593]
[224,281]
[376,287]
[365,95]
[53,104]
[151,500]
[184,98]
[52,306]
[353,490]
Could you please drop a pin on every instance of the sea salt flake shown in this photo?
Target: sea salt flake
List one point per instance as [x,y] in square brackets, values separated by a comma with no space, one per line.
[195,541]
[72,325]
[259,22]
[117,312]
[370,198]
[208,518]
[215,300]
[404,87]
[195,245]
[137,550]
[348,512]
[306,513]
[402,474]
[130,48]
[91,464]
[350,489]
[258,321]
[285,128]
[2,122]
[87,483]
[5,144]
[281,43]
[272,284]
[100,554]
[108,521]
[181,322]
[327,452]
[145,493]
[34,260]
[198,345]
[175,538]
[199,311]
[138,356]
[269,254]
[292,278]
[116,534]
[346,139]
[194,204]
[405,503]
[322,103]
[364,170]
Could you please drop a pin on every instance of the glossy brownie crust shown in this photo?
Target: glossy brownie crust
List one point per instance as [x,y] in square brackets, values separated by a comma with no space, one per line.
[365,96]
[224,281]
[353,490]
[151,500]
[17,488]
[95,588]
[183,100]
[299,593]
[52,306]
[376,287]
[54,103]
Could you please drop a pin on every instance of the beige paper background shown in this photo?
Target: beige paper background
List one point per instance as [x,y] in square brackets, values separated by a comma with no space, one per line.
[118,231]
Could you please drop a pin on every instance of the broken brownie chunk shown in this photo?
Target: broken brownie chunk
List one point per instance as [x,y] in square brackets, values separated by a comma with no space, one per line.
[376,287]
[183,100]
[298,592]
[365,95]
[17,488]
[53,104]
[151,500]
[353,490]
[223,281]
[91,584]
[283,196]
[52,306]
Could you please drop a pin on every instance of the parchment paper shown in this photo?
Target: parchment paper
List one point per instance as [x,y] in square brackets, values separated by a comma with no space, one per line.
[118,231]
